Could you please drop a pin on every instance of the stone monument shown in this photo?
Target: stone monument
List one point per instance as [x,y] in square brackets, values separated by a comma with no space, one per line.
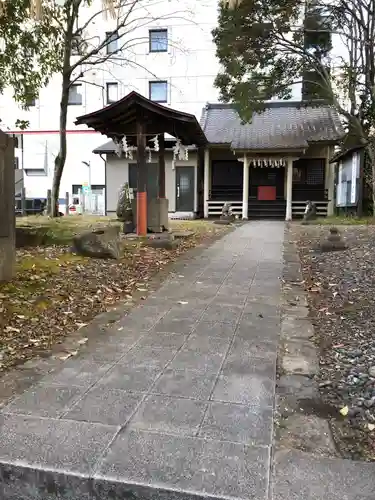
[124,210]
[226,216]
[310,212]
[227,213]
[7,208]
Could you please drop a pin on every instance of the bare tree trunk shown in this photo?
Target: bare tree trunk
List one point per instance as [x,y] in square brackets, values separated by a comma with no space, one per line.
[61,156]
[67,73]
[370,178]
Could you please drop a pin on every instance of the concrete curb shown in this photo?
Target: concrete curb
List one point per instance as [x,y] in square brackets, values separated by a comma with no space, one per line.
[301,418]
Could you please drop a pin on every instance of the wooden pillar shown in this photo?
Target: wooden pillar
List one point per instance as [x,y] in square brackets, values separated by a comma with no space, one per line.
[141,181]
[245,188]
[206,189]
[289,189]
[161,166]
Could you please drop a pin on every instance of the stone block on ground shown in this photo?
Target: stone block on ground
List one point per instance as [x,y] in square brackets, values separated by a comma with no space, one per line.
[101,243]
[29,236]
[299,475]
[307,433]
[183,234]
[300,358]
[223,222]
[166,242]
[128,227]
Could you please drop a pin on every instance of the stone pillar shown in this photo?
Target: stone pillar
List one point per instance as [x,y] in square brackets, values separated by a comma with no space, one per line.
[206,189]
[7,212]
[289,188]
[245,188]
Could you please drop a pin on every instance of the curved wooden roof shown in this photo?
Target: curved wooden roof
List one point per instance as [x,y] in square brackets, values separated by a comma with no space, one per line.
[121,117]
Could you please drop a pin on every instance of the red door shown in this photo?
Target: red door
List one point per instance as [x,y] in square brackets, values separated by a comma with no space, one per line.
[267,193]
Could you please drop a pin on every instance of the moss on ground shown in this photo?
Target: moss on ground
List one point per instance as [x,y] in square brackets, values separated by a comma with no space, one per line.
[344,221]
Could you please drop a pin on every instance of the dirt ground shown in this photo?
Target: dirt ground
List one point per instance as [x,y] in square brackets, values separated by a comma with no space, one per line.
[55,292]
[341,288]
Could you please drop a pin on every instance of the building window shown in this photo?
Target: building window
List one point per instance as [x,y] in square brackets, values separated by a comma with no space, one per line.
[158,91]
[35,172]
[112,42]
[75,95]
[158,40]
[112,92]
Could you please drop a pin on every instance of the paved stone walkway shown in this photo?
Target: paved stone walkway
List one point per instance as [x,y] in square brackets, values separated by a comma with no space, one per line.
[178,401]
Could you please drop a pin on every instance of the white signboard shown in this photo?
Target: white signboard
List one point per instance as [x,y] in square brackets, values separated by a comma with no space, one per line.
[355,176]
[339,198]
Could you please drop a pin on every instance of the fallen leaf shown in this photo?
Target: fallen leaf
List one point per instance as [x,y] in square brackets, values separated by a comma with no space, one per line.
[65,357]
[83,341]
[12,329]
[344,411]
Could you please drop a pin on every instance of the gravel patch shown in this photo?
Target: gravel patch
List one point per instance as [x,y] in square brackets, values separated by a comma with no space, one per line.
[341,287]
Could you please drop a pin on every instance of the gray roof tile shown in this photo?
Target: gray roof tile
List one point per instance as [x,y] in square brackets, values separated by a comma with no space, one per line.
[283,125]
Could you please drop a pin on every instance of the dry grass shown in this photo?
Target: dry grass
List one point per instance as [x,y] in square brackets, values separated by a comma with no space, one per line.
[60,231]
[55,292]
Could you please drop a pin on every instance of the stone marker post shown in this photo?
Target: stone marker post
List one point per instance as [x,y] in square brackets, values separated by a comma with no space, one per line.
[49,202]
[66,203]
[23,202]
[7,208]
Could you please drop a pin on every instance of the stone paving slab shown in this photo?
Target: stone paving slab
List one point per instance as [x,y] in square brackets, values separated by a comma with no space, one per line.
[187,465]
[174,402]
[300,476]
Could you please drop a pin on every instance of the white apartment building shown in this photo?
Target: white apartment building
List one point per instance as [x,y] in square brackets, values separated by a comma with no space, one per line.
[170,58]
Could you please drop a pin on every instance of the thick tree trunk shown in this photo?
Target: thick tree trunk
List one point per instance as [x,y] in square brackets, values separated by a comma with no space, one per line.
[371,157]
[61,157]
[369,179]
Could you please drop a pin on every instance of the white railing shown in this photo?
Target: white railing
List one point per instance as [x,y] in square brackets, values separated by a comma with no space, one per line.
[215,208]
[298,208]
